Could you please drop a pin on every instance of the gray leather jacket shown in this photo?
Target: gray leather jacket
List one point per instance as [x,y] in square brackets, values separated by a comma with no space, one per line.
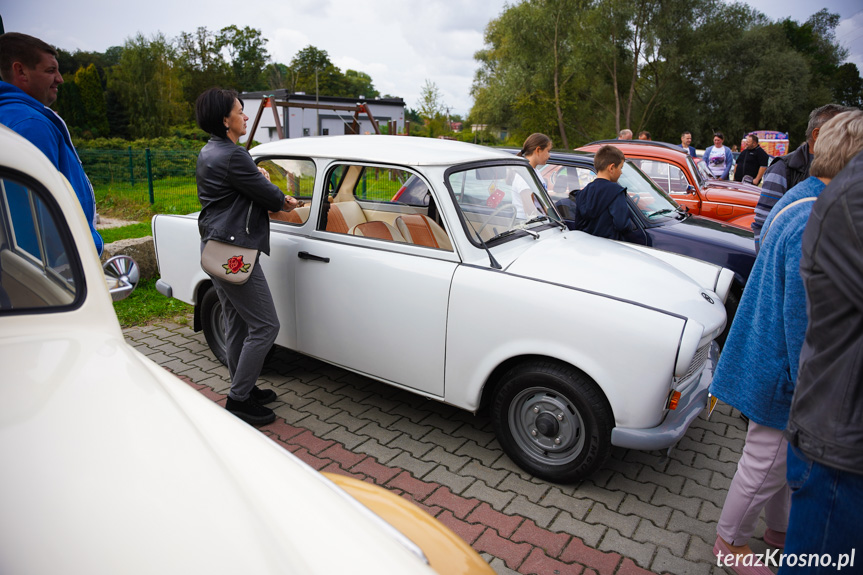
[235,197]
[826,419]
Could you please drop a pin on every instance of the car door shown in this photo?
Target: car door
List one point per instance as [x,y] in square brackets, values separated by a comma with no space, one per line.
[368,303]
[673,181]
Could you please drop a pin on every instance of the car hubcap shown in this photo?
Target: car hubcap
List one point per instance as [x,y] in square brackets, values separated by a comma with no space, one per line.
[546,425]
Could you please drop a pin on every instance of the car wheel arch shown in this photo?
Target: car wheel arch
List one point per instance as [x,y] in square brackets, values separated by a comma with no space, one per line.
[494,378]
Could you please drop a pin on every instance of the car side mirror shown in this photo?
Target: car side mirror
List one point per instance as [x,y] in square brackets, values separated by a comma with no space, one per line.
[690,189]
[122,275]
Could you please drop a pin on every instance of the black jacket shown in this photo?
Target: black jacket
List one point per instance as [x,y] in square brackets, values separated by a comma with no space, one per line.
[601,209]
[796,165]
[235,197]
[826,419]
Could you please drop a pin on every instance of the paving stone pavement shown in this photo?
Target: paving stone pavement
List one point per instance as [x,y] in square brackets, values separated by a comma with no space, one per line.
[644,512]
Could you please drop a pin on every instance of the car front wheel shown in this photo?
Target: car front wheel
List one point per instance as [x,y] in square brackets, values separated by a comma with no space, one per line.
[553,421]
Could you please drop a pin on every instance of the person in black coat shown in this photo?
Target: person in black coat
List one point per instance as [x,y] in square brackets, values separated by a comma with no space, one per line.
[601,209]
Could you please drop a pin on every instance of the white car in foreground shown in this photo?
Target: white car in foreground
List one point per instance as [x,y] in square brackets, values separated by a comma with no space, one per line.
[468,293]
[113,465]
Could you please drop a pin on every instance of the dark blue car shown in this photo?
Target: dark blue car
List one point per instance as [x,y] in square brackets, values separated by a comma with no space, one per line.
[659,222]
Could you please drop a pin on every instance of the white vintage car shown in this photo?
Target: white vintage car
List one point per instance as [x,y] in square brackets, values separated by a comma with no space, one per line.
[468,293]
[113,465]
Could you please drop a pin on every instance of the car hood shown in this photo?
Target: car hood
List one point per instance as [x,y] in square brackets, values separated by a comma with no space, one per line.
[652,278]
[94,482]
[714,232]
[721,191]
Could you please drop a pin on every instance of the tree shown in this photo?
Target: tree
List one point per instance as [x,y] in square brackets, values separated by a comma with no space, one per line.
[312,72]
[533,69]
[430,103]
[93,119]
[200,62]
[148,85]
[247,54]
[359,84]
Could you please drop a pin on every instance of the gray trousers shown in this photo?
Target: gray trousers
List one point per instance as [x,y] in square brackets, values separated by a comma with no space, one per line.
[251,327]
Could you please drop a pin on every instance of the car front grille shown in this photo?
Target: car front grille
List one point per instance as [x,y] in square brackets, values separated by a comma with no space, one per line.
[697,363]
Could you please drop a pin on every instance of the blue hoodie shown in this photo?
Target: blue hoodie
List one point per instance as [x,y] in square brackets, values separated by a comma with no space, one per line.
[47,131]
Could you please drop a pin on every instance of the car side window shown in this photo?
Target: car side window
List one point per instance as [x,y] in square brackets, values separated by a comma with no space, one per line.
[669,177]
[38,269]
[295,178]
[382,203]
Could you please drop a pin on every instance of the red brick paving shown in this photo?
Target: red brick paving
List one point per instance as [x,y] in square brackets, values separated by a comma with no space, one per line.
[518,542]
[504,524]
[513,554]
[540,564]
[551,543]
[459,506]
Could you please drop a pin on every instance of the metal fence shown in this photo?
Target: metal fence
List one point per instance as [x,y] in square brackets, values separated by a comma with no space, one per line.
[161,180]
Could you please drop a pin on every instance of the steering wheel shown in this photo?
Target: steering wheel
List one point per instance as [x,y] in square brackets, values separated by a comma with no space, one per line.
[497,210]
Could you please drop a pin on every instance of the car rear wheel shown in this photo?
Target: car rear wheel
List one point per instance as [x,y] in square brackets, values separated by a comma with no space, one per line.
[553,421]
[213,324]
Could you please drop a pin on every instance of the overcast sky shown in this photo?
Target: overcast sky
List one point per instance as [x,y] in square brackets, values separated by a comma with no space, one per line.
[399,43]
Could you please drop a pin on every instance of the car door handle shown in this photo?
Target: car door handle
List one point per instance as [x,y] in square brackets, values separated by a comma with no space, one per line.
[314,258]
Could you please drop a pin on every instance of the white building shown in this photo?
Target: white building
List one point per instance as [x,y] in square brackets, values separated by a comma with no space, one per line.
[298,122]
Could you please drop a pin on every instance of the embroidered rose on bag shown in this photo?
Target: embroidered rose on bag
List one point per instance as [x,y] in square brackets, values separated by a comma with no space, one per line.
[235,265]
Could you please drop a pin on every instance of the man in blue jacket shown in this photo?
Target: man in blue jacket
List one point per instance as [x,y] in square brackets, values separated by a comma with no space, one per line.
[30,78]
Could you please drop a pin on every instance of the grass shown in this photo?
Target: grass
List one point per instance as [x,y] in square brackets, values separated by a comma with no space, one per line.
[138,230]
[147,305]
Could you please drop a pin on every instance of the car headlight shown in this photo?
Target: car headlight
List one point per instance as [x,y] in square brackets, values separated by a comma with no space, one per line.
[689,341]
[723,283]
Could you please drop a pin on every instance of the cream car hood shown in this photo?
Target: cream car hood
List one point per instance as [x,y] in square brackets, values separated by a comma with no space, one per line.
[642,276]
[85,491]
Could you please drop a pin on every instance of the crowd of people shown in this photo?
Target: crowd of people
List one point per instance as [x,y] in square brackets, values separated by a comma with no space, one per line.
[793,360]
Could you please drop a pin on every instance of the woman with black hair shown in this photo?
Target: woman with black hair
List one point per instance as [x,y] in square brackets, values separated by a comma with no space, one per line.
[236,198]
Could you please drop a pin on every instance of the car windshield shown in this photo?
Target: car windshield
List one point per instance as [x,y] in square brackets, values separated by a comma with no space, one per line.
[700,172]
[646,195]
[497,201]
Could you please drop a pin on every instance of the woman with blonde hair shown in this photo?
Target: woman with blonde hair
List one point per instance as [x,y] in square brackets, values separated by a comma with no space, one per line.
[535,150]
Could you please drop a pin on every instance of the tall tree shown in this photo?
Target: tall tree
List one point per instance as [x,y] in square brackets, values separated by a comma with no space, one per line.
[532,68]
[200,62]
[313,72]
[147,82]
[93,120]
[247,55]
[359,84]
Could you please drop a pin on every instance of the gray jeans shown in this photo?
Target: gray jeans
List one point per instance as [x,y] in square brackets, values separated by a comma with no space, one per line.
[251,328]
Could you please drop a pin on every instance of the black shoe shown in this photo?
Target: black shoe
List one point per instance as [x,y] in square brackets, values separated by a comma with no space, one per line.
[251,411]
[263,396]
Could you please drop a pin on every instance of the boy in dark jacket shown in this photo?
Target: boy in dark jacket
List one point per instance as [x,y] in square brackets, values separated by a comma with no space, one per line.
[601,209]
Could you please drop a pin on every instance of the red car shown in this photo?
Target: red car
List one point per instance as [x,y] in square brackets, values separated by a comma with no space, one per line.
[674,171]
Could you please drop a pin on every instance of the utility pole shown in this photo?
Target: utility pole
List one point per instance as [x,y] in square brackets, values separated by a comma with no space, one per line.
[317,114]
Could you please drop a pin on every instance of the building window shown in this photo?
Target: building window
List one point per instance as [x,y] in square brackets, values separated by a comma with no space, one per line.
[305,132]
[325,131]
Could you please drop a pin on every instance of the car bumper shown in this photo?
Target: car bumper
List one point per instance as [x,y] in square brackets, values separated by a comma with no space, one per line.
[675,424]
[164,288]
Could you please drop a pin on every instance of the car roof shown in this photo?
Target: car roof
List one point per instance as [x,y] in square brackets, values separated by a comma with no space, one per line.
[406,150]
[640,147]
